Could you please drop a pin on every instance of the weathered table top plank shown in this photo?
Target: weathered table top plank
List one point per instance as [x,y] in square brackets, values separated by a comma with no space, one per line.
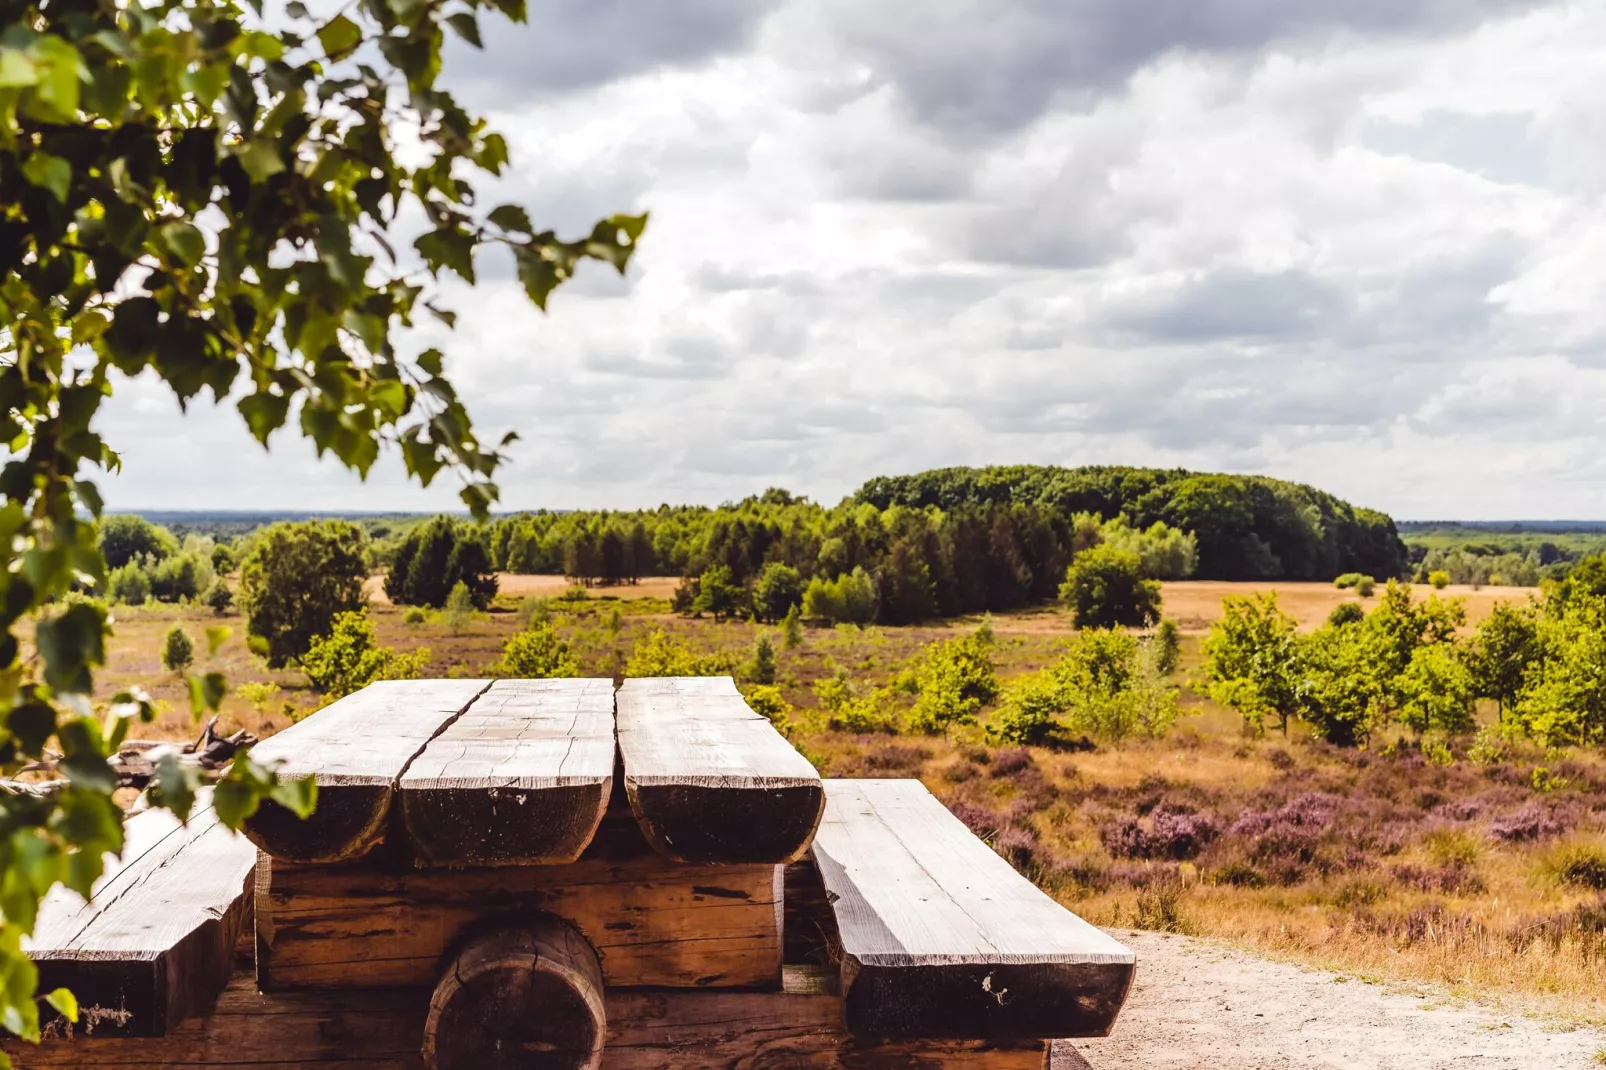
[936,928]
[154,942]
[710,780]
[521,778]
[357,749]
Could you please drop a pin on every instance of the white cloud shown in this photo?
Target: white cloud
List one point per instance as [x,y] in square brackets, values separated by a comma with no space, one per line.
[1359,244]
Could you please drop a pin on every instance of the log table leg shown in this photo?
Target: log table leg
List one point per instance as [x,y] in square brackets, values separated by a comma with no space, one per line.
[529,998]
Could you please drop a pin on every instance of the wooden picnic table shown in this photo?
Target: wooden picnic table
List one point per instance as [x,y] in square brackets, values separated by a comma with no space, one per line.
[553,874]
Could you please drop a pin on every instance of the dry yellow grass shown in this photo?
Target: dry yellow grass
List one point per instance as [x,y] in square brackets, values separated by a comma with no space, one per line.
[1195,604]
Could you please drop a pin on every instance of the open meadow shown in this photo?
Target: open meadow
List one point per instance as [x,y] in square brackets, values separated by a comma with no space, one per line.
[1482,875]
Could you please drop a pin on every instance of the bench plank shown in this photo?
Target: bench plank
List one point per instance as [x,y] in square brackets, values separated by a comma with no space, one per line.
[521,778]
[357,748]
[942,938]
[154,943]
[708,779]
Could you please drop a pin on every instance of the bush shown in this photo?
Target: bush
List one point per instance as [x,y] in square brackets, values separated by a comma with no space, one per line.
[1346,613]
[761,670]
[537,654]
[1111,688]
[129,585]
[1347,580]
[415,615]
[1439,578]
[1582,865]
[1029,712]
[848,599]
[792,629]
[1105,588]
[434,558]
[1365,586]
[180,577]
[1165,646]
[718,593]
[766,701]
[777,591]
[219,597]
[349,657]
[178,650]
[659,655]
[124,538]
[459,607]
[954,679]
[297,579]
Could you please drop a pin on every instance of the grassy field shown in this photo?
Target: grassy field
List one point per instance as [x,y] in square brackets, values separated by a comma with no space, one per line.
[1374,861]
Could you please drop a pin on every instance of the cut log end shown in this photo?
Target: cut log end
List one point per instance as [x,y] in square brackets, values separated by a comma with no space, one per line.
[346,824]
[524,998]
[692,823]
[503,826]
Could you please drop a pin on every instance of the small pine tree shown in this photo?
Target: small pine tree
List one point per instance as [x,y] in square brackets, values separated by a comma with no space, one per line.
[1167,646]
[761,670]
[219,597]
[614,620]
[792,628]
[459,608]
[178,650]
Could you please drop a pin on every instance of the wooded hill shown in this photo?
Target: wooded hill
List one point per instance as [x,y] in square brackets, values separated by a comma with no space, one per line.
[1248,527]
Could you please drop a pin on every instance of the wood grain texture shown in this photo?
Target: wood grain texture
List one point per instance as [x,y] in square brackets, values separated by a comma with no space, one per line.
[155,941]
[357,748]
[710,780]
[647,1030]
[522,777]
[942,938]
[652,922]
[525,997]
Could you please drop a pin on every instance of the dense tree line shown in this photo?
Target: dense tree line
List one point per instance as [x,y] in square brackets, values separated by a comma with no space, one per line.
[1247,527]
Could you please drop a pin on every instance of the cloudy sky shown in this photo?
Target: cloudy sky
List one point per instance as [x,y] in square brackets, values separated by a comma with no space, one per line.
[1359,243]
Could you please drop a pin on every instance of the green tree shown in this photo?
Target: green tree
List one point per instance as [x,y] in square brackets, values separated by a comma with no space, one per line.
[349,657]
[792,628]
[1105,588]
[178,649]
[129,585]
[459,607]
[1563,696]
[1503,650]
[211,203]
[434,558]
[1166,645]
[777,591]
[1436,691]
[125,537]
[1439,579]
[1253,660]
[537,653]
[761,669]
[1110,689]
[848,599]
[718,593]
[954,679]
[297,579]
[219,597]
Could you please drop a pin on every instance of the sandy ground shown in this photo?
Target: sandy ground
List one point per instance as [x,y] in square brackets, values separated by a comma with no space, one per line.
[1194,604]
[523,586]
[1200,1005]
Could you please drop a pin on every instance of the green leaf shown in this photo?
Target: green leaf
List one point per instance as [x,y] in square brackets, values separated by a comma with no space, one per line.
[176,784]
[64,1003]
[260,158]
[216,637]
[430,362]
[184,241]
[467,27]
[16,69]
[48,172]
[299,796]
[511,217]
[339,37]
[206,691]
[264,413]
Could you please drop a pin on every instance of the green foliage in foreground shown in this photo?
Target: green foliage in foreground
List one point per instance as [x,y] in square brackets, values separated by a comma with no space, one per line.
[349,658]
[196,199]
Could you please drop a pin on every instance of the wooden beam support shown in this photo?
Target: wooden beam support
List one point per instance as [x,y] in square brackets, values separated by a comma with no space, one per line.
[520,998]
[521,778]
[155,942]
[357,749]
[710,780]
[380,921]
[799,1028]
[942,938]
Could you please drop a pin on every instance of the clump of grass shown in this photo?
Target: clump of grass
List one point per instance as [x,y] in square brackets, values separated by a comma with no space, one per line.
[1452,847]
[1580,864]
[1159,908]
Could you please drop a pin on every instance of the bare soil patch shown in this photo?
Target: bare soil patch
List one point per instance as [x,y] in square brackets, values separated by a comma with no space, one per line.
[1194,604]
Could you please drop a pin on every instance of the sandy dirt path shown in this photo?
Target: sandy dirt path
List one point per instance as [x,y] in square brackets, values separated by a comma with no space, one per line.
[1199,1005]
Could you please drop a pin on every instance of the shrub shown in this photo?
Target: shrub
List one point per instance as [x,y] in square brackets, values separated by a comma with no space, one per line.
[954,679]
[459,607]
[129,585]
[761,669]
[1165,646]
[178,650]
[125,538]
[434,558]
[1029,711]
[1365,586]
[1111,690]
[660,655]
[718,593]
[777,591]
[415,616]
[1529,823]
[297,579]
[1583,865]
[1105,588]
[848,599]
[537,654]
[219,597]
[350,658]
[875,712]
[1346,613]
[1439,579]
[1347,580]
[792,629]
[766,701]
[180,577]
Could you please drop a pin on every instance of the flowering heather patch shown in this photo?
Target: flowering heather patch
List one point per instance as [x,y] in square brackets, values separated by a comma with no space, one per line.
[978,819]
[896,758]
[1011,761]
[1171,834]
[1526,824]
[1452,879]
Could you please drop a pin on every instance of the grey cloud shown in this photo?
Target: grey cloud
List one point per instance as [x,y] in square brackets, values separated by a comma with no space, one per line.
[978,68]
[1235,303]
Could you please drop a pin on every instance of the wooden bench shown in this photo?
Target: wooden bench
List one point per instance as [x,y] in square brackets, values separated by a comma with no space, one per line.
[898,940]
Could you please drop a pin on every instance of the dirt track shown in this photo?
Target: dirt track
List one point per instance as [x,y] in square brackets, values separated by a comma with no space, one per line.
[1199,1005]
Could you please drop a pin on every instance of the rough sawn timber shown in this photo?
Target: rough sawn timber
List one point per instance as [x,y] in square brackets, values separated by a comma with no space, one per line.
[942,938]
[799,1028]
[380,921]
[708,779]
[154,944]
[522,777]
[356,748]
[524,997]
